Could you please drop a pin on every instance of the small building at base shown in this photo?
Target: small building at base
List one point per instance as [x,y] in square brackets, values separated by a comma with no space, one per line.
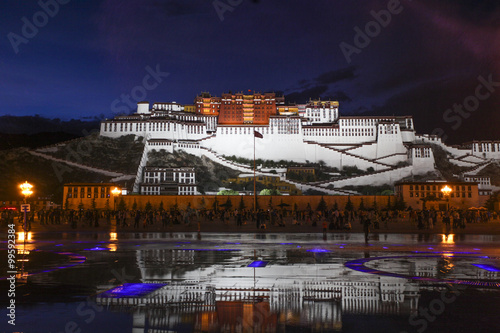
[84,194]
[430,195]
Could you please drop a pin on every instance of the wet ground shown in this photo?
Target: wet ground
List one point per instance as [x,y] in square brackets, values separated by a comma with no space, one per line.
[251,282]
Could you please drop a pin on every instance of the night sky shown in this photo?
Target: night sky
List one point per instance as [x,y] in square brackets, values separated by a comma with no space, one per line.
[436,60]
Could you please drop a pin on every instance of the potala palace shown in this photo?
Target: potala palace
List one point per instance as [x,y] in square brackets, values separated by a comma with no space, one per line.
[314,132]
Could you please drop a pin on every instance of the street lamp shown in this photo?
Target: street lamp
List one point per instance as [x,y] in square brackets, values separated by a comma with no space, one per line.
[26,191]
[115,193]
[446,192]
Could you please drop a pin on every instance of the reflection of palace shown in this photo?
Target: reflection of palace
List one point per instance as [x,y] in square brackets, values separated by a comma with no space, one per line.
[216,292]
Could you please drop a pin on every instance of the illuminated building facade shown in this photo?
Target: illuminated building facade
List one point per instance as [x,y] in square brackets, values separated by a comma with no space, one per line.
[205,103]
[429,194]
[248,109]
[88,194]
[168,181]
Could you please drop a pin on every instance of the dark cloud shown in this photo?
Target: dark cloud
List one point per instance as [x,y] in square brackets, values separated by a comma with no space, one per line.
[305,95]
[428,103]
[336,75]
[337,96]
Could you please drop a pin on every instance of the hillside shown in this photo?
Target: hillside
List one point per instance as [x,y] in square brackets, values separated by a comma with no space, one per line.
[36,124]
[119,155]
[48,177]
[10,141]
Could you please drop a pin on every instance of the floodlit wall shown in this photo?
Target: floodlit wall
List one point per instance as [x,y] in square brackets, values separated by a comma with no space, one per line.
[207,202]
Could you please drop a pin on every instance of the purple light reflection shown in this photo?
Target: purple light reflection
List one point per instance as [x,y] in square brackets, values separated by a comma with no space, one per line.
[318,250]
[359,265]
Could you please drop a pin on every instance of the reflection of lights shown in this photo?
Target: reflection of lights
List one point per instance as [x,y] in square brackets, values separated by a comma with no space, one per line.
[448,239]
[205,249]
[359,265]
[132,290]
[113,236]
[97,248]
[258,263]
[22,251]
[318,250]
[22,277]
[20,236]
[112,247]
[489,268]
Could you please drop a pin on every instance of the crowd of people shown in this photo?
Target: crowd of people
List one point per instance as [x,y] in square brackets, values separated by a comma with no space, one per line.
[329,220]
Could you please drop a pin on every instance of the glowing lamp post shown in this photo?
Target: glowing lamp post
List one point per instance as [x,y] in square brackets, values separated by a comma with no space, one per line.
[446,192]
[115,193]
[26,191]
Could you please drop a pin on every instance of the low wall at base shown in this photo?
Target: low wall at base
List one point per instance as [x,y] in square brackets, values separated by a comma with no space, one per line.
[264,201]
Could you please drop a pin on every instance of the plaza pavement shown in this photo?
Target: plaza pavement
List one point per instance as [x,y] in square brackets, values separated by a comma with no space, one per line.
[395,226]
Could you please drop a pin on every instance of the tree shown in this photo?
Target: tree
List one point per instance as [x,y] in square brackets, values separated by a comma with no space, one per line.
[349,206]
[335,205]
[228,192]
[160,208]
[66,204]
[148,207]
[361,205]
[203,204]
[242,204]
[134,205]
[257,205]
[321,205]
[121,205]
[270,203]
[228,204]
[269,192]
[491,202]
[80,205]
[389,206]
[400,204]
[374,206]
[215,205]
[93,204]
[106,205]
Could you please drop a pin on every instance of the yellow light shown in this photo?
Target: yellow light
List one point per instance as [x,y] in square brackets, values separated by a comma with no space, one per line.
[113,236]
[26,189]
[20,236]
[446,190]
[115,191]
[448,239]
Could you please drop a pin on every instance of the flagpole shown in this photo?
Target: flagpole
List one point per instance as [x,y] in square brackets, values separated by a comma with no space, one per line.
[254,193]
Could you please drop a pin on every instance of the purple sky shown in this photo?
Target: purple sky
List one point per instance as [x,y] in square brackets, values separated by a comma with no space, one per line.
[427,56]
